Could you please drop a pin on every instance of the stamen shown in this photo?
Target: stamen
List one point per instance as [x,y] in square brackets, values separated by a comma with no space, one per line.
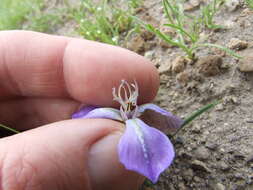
[128,103]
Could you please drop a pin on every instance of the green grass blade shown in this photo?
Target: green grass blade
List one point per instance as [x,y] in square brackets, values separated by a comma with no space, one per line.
[167,6]
[199,112]
[227,50]
[9,129]
[250,3]
[180,29]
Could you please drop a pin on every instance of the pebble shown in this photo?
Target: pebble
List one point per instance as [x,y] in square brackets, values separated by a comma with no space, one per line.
[147,35]
[219,107]
[149,55]
[237,44]
[209,65]
[196,129]
[183,77]
[197,179]
[220,186]
[199,165]
[202,153]
[249,158]
[211,146]
[165,67]
[191,5]
[222,166]
[232,5]
[181,186]
[179,64]
[246,63]
[188,174]
[137,44]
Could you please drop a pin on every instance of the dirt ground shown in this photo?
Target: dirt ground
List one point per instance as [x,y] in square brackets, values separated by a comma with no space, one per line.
[216,150]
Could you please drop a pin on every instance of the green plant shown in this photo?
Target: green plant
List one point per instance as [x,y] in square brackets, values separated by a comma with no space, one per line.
[208,12]
[43,20]
[187,27]
[13,12]
[249,3]
[104,22]
[29,15]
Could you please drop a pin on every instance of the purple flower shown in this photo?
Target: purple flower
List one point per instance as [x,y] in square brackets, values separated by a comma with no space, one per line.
[142,148]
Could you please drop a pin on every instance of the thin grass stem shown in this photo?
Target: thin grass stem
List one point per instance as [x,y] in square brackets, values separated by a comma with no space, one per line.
[9,129]
[197,113]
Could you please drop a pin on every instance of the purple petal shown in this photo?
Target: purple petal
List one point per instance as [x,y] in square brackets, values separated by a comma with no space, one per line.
[159,118]
[145,149]
[83,111]
[106,113]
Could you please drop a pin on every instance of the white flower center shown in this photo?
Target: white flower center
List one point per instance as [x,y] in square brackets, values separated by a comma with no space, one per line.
[127,95]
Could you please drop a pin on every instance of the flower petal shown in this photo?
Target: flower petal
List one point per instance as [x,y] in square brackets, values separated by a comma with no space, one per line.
[159,118]
[83,111]
[145,149]
[106,113]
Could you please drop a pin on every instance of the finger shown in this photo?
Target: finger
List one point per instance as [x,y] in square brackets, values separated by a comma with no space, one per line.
[40,65]
[74,154]
[28,113]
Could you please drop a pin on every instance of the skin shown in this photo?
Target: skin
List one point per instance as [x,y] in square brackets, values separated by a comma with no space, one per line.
[43,80]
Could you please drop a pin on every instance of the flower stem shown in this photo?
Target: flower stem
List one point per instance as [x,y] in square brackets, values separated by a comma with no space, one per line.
[9,129]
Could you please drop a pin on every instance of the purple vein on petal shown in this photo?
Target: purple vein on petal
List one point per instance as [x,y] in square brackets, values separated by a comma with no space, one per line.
[145,149]
[159,118]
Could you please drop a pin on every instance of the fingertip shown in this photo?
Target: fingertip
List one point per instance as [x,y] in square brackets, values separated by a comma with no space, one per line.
[91,69]
[106,172]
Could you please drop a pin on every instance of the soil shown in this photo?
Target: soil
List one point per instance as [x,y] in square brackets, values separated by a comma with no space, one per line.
[215,152]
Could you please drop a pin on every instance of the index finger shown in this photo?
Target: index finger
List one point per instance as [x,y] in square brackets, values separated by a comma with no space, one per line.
[39,65]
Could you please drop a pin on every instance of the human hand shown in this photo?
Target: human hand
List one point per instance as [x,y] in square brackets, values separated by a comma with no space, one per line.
[43,80]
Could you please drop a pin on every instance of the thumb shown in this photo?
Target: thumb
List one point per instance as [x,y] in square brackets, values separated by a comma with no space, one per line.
[67,155]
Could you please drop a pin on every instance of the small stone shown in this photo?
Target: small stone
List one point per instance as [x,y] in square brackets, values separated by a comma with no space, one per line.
[212,146]
[222,166]
[164,44]
[180,140]
[199,165]
[209,65]
[147,35]
[188,174]
[137,44]
[219,107]
[196,129]
[183,77]
[181,186]
[149,45]
[149,55]
[191,5]
[178,64]
[164,68]
[249,158]
[232,5]
[246,63]
[219,186]
[202,153]
[184,155]
[237,44]
[197,179]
